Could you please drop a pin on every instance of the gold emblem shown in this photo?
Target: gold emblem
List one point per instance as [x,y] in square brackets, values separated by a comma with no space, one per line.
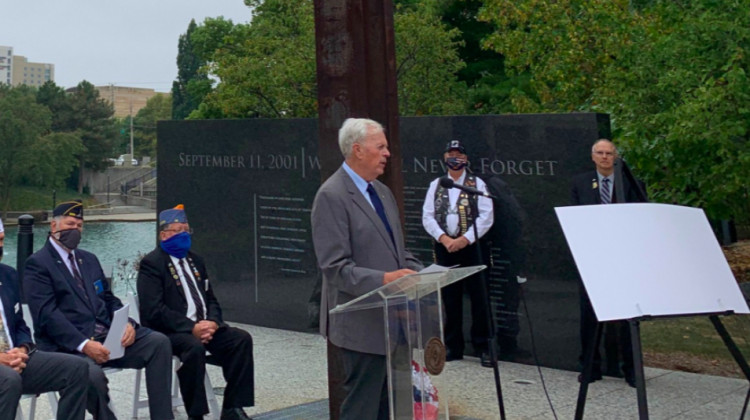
[434,356]
[594,185]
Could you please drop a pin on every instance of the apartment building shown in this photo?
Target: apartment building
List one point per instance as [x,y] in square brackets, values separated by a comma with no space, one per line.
[18,70]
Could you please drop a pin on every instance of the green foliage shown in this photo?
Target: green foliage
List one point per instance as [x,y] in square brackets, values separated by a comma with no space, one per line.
[267,68]
[28,198]
[427,63]
[680,97]
[30,152]
[565,46]
[158,108]
[673,76]
[191,85]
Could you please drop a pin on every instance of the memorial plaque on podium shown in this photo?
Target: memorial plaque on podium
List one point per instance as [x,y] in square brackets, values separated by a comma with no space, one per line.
[413,314]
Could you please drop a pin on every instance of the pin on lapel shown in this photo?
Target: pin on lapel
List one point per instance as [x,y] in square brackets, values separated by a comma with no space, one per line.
[594,184]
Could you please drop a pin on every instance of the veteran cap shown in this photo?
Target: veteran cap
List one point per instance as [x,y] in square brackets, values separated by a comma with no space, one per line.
[173,215]
[73,208]
[455,145]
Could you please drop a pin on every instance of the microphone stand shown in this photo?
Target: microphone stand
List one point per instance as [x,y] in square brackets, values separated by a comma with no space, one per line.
[474,202]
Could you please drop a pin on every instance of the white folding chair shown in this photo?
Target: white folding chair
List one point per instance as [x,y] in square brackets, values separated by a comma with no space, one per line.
[51,396]
[139,403]
[33,397]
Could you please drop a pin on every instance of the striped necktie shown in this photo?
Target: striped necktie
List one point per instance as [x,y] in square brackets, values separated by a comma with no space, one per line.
[4,342]
[604,191]
[199,312]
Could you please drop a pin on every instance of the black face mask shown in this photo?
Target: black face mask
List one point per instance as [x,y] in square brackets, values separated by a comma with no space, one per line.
[70,238]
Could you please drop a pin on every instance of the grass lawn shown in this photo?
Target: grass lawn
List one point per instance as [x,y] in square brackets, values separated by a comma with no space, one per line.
[692,344]
[34,198]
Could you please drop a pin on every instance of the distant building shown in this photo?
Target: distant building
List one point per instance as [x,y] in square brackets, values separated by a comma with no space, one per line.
[17,70]
[6,64]
[126,100]
[31,74]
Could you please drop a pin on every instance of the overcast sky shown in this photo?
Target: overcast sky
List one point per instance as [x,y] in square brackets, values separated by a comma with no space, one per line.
[125,43]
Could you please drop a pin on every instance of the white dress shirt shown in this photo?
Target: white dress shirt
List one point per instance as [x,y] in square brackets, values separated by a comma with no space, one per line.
[64,255]
[431,225]
[5,325]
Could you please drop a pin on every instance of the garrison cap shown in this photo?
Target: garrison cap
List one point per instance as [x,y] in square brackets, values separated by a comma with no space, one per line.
[173,215]
[73,208]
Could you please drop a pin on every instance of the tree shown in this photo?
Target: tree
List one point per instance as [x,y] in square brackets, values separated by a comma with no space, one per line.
[672,75]
[267,68]
[427,64]
[566,47]
[92,120]
[158,107]
[680,97]
[31,152]
[191,84]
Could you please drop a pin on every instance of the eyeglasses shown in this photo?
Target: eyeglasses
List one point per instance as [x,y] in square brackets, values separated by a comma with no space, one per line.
[176,231]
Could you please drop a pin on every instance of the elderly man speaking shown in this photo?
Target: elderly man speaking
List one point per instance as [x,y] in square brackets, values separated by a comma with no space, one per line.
[360,246]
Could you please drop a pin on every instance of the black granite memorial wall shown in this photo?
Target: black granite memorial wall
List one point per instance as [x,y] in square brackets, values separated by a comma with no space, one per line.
[248,187]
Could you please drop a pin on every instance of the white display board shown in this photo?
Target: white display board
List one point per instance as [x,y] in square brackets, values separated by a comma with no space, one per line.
[641,259]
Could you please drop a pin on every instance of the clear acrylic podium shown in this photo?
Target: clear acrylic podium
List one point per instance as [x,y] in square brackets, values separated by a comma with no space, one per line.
[413,314]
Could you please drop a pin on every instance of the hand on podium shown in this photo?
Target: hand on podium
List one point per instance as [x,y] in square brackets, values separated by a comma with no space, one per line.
[395,275]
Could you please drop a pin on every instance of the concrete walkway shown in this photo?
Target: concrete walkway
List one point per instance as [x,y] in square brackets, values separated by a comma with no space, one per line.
[291,371]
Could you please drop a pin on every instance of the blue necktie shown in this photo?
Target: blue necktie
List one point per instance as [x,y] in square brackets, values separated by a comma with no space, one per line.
[605,194]
[380,210]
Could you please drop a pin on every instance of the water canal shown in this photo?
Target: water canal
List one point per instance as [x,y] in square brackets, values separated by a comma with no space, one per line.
[116,244]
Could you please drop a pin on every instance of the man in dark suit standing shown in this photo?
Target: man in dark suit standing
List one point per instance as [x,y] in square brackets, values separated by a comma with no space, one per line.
[176,298]
[72,307]
[598,187]
[23,369]
[359,245]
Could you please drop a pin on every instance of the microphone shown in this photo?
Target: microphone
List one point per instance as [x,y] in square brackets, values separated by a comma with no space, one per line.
[448,183]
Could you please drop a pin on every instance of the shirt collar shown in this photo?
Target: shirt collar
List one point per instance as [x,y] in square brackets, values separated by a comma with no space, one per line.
[60,250]
[610,177]
[359,182]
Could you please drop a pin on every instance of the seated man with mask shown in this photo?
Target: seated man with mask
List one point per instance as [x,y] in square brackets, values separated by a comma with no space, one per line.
[72,307]
[25,370]
[176,298]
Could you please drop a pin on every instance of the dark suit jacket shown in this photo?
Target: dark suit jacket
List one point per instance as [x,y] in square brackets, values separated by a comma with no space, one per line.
[354,251]
[585,190]
[63,316]
[162,301]
[9,293]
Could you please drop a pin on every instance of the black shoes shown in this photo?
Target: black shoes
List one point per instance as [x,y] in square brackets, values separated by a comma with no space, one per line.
[595,376]
[234,414]
[451,356]
[485,359]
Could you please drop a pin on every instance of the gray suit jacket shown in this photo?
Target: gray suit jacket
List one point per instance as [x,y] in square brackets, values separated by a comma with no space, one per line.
[354,251]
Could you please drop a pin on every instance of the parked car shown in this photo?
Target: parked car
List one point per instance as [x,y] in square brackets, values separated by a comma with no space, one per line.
[121,160]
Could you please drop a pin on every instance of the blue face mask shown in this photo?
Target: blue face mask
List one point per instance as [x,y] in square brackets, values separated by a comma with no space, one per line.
[178,245]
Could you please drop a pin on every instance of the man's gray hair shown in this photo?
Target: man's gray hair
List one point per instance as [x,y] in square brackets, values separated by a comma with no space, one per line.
[354,130]
[604,141]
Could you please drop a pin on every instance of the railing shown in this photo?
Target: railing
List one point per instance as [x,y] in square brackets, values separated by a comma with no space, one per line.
[127,186]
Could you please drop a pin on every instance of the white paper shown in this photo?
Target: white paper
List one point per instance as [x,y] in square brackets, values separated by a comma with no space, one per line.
[648,259]
[113,342]
[434,268]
